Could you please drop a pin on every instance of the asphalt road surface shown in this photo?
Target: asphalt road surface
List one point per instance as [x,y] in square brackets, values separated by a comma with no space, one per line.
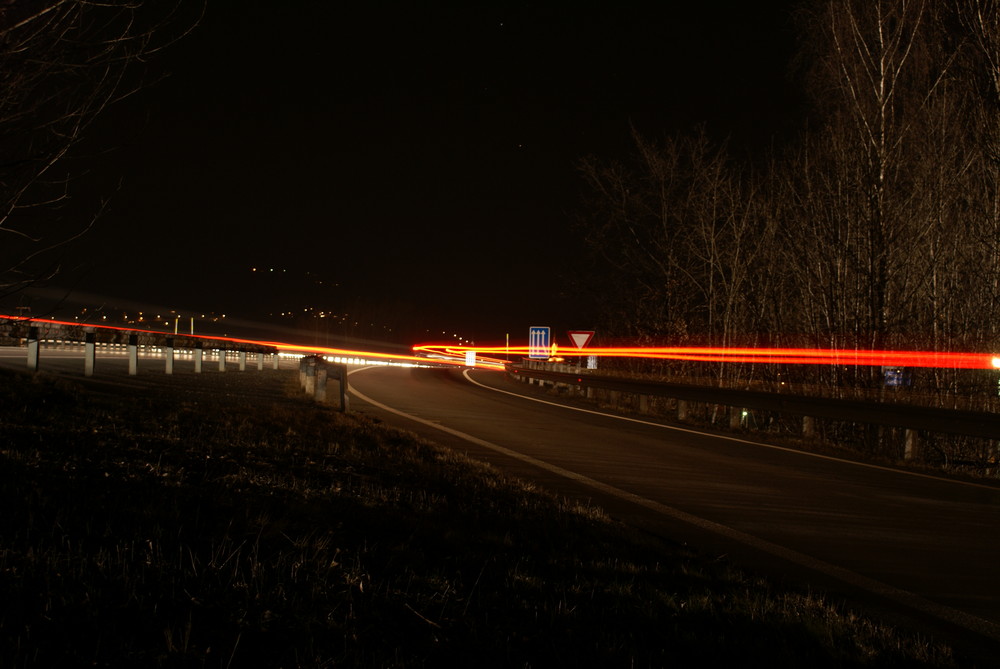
[918,549]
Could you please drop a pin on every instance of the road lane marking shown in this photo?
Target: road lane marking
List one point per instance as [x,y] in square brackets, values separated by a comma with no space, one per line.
[730,438]
[904,597]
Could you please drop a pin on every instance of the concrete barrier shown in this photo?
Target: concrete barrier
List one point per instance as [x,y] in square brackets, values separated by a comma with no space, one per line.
[315,372]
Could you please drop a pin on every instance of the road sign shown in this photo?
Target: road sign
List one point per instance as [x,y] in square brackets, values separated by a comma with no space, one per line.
[539,342]
[580,338]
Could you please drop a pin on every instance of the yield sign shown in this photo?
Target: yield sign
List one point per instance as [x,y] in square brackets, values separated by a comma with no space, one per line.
[580,338]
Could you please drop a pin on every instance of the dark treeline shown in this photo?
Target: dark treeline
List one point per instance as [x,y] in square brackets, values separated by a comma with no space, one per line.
[878,227]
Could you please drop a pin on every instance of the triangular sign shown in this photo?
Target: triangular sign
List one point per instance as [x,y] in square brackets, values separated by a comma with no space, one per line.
[580,338]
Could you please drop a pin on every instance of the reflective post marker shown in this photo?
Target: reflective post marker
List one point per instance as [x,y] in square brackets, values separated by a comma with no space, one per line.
[89,353]
[168,353]
[321,376]
[310,378]
[33,348]
[133,355]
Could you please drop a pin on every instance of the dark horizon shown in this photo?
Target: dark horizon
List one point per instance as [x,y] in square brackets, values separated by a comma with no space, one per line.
[415,158]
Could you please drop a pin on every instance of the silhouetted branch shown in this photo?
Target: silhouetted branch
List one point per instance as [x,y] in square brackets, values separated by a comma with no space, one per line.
[62,64]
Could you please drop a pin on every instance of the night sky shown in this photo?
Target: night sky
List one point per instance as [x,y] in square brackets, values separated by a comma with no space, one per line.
[417,158]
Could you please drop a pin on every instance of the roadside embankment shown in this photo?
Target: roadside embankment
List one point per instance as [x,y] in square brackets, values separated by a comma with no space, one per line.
[225,520]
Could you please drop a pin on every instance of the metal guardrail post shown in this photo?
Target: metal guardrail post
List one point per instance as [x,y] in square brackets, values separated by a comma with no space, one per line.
[910,444]
[243,361]
[199,356]
[222,359]
[133,355]
[89,353]
[168,351]
[320,383]
[344,406]
[310,377]
[339,372]
[614,398]
[33,348]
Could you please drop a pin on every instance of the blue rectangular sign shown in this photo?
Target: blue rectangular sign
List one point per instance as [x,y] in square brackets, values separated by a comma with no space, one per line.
[539,342]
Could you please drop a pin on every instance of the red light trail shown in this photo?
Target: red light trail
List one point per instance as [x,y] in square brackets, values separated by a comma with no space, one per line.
[281,346]
[795,356]
[494,357]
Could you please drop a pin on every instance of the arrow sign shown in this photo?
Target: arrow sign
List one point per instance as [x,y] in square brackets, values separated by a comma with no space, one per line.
[539,341]
[580,338]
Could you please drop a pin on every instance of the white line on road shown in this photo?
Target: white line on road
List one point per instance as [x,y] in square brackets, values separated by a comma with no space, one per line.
[729,438]
[904,597]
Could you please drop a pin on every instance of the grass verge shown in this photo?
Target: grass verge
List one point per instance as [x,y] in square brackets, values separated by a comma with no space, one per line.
[224,521]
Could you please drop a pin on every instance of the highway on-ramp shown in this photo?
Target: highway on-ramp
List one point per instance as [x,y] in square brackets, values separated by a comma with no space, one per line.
[920,549]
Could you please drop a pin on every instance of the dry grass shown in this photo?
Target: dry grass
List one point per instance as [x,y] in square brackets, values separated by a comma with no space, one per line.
[224,521]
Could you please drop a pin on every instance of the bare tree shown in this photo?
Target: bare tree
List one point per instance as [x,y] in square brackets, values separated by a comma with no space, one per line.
[874,54]
[979,24]
[684,243]
[62,64]
[878,228]
[875,177]
[638,225]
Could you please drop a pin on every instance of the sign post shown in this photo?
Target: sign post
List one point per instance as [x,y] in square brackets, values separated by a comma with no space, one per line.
[580,339]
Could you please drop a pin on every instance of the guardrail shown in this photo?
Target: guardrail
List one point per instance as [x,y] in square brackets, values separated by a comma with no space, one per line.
[911,418]
[31,334]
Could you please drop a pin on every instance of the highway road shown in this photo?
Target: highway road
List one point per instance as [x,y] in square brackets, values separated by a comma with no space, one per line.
[920,550]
